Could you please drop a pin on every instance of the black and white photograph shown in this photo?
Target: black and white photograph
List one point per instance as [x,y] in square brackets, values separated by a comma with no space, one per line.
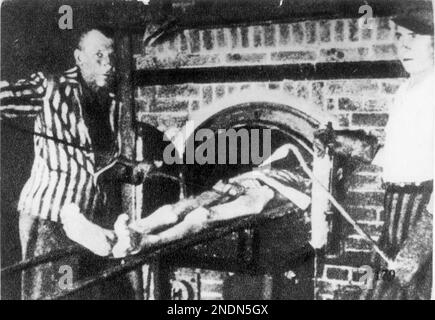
[219,150]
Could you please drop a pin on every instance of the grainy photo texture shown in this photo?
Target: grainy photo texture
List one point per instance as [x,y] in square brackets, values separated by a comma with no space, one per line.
[217,149]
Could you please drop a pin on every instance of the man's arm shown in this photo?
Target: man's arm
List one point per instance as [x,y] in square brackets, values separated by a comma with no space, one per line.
[23,98]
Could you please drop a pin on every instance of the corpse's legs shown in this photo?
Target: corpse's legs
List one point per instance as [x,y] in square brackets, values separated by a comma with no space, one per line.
[252,202]
[178,221]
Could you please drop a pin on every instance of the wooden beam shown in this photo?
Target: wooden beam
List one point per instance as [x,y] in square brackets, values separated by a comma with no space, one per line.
[124,14]
[213,13]
[125,97]
[319,71]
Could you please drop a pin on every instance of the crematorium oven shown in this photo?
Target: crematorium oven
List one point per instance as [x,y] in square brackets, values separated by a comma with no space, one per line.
[239,70]
[277,254]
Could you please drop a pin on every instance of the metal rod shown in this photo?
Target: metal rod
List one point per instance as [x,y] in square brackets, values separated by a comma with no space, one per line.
[342,211]
[357,227]
[44,258]
[210,233]
[122,268]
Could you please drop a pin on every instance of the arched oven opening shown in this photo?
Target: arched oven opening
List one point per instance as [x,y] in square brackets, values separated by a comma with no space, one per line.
[202,177]
[280,247]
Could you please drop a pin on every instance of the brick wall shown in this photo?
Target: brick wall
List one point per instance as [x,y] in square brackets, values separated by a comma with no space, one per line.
[356,103]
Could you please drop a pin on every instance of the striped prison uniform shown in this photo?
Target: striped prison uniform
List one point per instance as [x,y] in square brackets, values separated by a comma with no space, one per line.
[407,239]
[404,206]
[64,171]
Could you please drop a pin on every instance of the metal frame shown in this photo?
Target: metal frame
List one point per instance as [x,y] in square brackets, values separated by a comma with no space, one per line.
[135,262]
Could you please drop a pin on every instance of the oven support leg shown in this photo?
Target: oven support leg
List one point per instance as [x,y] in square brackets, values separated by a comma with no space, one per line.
[162,284]
[323,171]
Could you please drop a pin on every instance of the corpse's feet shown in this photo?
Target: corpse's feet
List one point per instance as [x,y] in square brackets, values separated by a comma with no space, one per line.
[127,240]
[81,230]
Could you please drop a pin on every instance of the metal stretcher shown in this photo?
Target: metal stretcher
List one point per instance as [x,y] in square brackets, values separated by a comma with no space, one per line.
[123,266]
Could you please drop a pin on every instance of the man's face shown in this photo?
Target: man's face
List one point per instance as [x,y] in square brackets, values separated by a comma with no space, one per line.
[414,50]
[94,57]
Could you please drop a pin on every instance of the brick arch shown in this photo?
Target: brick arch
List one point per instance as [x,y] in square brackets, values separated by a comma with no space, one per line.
[259,105]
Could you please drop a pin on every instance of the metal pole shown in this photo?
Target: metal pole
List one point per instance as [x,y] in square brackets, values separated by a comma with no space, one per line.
[53,255]
[340,208]
[125,93]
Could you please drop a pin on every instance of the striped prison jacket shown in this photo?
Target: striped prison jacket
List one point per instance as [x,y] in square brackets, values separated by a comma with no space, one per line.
[64,169]
[404,206]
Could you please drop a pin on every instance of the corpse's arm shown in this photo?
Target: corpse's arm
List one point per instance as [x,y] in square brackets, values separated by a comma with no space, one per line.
[23,98]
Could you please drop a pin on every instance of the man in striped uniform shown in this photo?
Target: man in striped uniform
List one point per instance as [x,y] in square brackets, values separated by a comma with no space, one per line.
[407,161]
[76,137]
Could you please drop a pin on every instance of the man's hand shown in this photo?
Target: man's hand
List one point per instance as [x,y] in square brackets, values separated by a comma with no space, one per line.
[140,171]
[125,238]
[86,233]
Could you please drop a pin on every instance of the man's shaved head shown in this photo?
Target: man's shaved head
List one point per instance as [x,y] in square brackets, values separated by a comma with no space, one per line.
[90,34]
[94,57]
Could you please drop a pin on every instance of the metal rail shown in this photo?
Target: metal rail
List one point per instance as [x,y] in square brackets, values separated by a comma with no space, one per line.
[51,256]
[210,233]
[133,262]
